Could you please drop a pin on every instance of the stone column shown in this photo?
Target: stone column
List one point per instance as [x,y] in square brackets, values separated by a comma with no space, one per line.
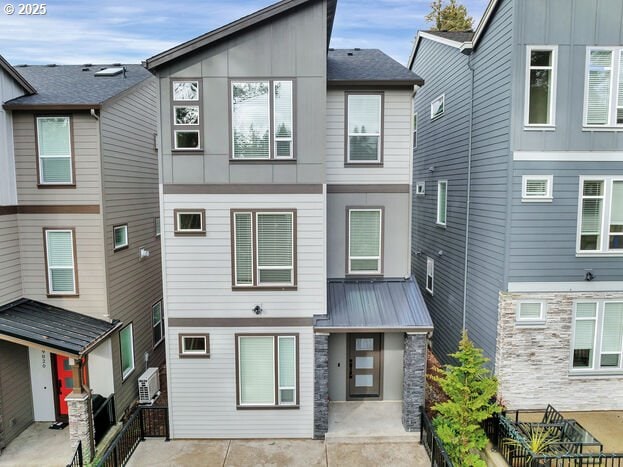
[80,414]
[321,385]
[414,381]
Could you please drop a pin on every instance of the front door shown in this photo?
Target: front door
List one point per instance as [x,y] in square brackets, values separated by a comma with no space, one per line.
[364,366]
[64,384]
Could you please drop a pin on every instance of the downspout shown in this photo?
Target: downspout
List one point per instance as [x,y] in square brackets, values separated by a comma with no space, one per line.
[94,115]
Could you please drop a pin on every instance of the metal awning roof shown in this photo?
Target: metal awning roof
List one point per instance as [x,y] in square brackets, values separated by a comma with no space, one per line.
[44,326]
[374,305]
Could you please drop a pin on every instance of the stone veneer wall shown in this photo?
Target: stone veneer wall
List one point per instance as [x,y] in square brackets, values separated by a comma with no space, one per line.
[533,363]
[414,381]
[321,385]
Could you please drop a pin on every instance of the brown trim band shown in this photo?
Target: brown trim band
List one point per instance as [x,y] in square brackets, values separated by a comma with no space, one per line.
[238,322]
[371,188]
[8,210]
[243,189]
[50,209]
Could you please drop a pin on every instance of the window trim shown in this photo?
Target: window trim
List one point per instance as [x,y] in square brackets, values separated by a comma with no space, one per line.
[175,128]
[275,405]
[437,220]
[554,86]
[443,105]
[549,195]
[161,324]
[48,278]
[381,156]
[540,321]
[611,125]
[157,226]
[182,353]
[189,232]
[421,184]
[41,184]
[255,270]
[381,257]
[125,375]
[414,125]
[271,159]
[127,237]
[430,272]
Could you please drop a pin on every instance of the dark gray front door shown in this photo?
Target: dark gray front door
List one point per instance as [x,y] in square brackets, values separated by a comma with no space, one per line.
[364,366]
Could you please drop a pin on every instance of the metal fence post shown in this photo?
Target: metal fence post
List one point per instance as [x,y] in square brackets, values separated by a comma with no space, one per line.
[141,423]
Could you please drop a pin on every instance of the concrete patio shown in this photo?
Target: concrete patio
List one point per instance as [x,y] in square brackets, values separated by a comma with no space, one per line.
[368,419]
[38,446]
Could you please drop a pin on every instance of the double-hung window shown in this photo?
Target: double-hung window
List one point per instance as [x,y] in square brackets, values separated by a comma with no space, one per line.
[262,119]
[54,150]
[157,323]
[186,98]
[365,240]
[603,94]
[598,336]
[267,370]
[60,262]
[364,128]
[264,248]
[540,102]
[600,226]
[442,202]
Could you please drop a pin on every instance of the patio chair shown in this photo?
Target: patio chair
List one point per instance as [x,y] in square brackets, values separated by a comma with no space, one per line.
[552,416]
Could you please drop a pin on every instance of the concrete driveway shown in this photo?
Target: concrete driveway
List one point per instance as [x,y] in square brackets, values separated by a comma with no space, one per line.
[361,453]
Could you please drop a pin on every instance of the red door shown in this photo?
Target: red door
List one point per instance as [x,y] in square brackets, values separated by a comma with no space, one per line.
[64,384]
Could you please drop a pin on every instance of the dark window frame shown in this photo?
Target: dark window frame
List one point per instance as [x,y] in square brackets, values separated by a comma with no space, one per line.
[49,293]
[180,103]
[347,161]
[72,158]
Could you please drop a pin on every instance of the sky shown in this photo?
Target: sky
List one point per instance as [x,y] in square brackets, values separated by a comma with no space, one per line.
[111,31]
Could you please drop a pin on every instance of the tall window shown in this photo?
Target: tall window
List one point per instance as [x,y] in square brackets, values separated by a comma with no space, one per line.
[541,85]
[598,336]
[442,202]
[264,248]
[365,231]
[126,340]
[430,275]
[600,228]
[267,370]
[604,87]
[157,323]
[60,262]
[364,128]
[262,119]
[414,129]
[54,151]
[186,115]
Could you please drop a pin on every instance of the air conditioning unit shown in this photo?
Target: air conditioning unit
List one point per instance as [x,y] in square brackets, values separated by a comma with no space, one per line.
[148,386]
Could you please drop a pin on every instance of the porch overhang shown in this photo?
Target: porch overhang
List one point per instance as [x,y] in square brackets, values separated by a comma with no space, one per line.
[63,332]
[374,305]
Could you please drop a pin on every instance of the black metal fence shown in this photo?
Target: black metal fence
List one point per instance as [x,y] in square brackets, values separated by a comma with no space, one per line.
[103,415]
[432,443]
[77,460]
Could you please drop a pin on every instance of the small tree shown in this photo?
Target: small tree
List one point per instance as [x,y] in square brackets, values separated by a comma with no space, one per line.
[450,17]
[471,391]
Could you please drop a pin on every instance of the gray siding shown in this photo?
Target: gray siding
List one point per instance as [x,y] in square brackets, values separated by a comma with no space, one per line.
[130,187]
[15,395]
[10,268]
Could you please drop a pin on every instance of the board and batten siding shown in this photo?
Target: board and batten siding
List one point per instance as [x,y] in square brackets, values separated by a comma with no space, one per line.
[130,196]
[202,391]
[10,268]
[9,89]
[15,395]
[396,140]
[198,268]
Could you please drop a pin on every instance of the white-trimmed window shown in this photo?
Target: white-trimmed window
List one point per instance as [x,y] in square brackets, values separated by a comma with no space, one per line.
[414,126]
[600,226]
[60,262]
[256,134]
[189,221]
[438,107]
[264,248]
[603,92]
[267,370]
[120,237]
[420,188]
[540,101]
[186,118]
[442,202]
[598,336]
[530,312]
[194,345]
[364,128]
[126,340]
[365,239]
[430,275]
[157,323]
[537,188]
[54,150]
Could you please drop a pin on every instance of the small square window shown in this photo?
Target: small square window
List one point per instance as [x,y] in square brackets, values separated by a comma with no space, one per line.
[186,114]
[120,236]
[185,90]
[190,222]
[531,313]
[185,139]
[537,188]
[437,107]
[194,345]
[420,188]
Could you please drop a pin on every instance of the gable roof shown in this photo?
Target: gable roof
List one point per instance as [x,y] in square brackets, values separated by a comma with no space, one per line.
[236,27]
[456,36]
[75,86]
[368,66]
[19,79]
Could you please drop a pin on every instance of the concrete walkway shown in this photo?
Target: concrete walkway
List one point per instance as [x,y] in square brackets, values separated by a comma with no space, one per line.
[277,453]
[38,446]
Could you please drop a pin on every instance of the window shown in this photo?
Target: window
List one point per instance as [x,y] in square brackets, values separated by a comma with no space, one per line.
[365,240]
[264,244]
[120,237]
[603,98]
[364,125]
[267,370]
[186,118]
[430,275]
[437,107]
[126,339]
[157,323]
[530,312]
[420,188]
[536,188]
[157,226]
[414,126]
[442,202]
[54,151]
[600,228]
[60,262]
[540,102]
[194,346]
[598,336]
[189,222]
[256,133]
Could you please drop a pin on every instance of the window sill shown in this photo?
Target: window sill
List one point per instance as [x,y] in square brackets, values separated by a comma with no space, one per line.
[56,186]
[441,226]
[540,324]
[124,378]
[364,275]
[268,407]
[539,127]
[121,248]
[58,295]
[602,128]
[157,344]
[267,288]
[191,356]
[190,234]
[187,152]
[599,254]
[596,373]
[365,165]
[262,161]
[537,200]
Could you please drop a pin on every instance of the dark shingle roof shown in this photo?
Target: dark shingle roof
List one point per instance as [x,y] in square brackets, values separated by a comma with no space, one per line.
[368,66]
[390,304]
[68,85]
[53,327]
[456,36]
[13,73]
